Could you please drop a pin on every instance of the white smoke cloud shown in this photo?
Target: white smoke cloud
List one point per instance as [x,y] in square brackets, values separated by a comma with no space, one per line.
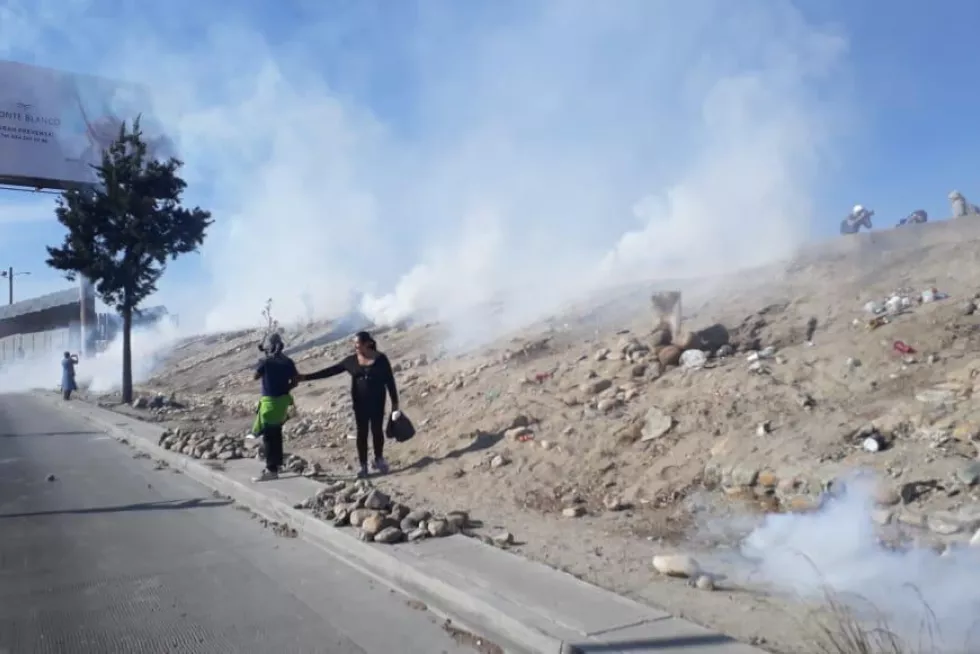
[932,602]
[101,373]
[441,158]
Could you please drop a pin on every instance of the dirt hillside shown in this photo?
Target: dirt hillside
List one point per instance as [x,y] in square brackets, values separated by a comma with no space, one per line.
[591,445]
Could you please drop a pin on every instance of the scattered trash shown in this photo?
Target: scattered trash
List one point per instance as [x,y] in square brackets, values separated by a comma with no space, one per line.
[897,304]
[811,329]
[542,377]
[903,348]
[875,323]
[874,307]
[765,353]
[724,351]
[693,359]
[50,477]
[873,443]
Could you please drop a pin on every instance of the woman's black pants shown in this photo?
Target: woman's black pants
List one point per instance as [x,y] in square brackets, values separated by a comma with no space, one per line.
[369,416]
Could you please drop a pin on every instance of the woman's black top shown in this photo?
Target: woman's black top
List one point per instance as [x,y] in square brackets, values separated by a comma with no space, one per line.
[367,382]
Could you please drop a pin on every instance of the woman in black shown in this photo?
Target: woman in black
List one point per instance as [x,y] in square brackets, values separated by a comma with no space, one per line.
[371,377]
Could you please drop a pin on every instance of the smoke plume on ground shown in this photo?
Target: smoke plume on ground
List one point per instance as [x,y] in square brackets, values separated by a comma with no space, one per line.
[929,600]
[101,373]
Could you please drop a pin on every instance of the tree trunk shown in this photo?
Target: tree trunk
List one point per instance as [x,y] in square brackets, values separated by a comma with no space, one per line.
[127,356]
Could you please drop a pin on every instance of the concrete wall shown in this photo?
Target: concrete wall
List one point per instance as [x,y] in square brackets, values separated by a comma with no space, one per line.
[51,343]
[45,326]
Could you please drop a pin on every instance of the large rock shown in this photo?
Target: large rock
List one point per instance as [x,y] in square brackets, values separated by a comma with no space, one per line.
[377,500]
[595,386]
[676,565]
[375,523]
[389,535]
[669,355]
[358,516]
[685,341]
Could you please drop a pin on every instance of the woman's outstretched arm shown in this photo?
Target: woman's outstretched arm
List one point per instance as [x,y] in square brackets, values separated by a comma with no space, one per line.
[328,372]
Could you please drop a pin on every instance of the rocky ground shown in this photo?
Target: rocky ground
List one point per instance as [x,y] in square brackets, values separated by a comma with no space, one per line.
[593,444]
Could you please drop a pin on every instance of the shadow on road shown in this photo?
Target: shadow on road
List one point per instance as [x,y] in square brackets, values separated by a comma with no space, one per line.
[166,505]
[53,433]
[648,644]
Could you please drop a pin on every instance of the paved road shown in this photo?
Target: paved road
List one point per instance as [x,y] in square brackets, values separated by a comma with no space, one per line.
[113,556]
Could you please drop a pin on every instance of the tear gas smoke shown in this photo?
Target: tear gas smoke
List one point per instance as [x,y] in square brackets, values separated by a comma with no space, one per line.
[837,551]
[479,164]
[99,374]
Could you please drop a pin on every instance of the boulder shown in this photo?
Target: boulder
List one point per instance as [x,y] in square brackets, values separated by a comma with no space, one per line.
[669,355]
[676,565]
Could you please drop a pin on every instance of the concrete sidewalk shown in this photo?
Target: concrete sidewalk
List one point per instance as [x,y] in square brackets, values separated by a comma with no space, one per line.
[523,606]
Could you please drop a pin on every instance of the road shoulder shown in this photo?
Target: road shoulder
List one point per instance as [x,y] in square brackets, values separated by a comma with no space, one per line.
[522,605]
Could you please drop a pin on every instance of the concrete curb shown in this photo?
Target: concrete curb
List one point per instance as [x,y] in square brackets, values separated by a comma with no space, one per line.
[466,610]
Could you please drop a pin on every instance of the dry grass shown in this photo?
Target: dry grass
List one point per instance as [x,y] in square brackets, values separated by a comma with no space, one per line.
[852,624]
[841,630]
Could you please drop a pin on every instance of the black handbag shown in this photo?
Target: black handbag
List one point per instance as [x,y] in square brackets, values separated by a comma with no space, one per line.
[400,430]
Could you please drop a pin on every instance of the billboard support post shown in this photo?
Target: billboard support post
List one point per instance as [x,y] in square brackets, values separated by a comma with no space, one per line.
[86,301]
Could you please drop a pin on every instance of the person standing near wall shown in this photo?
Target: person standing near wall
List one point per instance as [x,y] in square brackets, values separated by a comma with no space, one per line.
[68,384]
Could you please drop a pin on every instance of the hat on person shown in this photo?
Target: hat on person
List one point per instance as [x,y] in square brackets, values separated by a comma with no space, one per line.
[273,343]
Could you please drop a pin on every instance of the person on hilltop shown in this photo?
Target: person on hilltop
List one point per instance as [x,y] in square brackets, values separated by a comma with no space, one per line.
[279,377]
[917,217]
[858,218]
[68,385]
[961,207]
[371,378]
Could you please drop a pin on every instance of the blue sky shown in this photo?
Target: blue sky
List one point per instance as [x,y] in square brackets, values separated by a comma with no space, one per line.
[432,153]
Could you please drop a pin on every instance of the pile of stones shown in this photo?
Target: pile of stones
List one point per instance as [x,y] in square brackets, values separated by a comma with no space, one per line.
[225,447]
[377,517]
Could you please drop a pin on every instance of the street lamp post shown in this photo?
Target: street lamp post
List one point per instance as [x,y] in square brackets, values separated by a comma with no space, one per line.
[10,274]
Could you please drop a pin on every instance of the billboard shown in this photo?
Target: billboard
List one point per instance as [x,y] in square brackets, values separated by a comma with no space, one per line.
[55,125]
